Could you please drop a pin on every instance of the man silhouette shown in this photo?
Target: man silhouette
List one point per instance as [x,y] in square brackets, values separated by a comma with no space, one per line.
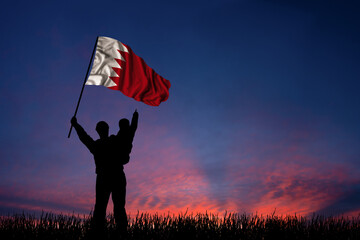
[110,154]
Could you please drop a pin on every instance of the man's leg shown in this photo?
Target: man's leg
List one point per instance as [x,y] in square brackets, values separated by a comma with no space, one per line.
[118,197]
[101,201]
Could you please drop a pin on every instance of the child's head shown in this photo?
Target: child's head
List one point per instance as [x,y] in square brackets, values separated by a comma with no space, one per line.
[124,124]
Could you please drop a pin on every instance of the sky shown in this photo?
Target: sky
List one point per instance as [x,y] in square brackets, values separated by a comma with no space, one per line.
[263,113]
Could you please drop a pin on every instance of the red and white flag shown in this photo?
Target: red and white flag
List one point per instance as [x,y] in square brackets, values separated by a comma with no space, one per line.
[117,67]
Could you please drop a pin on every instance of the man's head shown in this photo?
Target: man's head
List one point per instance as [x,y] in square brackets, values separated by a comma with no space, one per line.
[102,129]
[124,124]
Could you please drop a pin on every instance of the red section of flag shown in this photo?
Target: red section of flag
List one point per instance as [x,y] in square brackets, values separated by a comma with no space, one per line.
[137,80]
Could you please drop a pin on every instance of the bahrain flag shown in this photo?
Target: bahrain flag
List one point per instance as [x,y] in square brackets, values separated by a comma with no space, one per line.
[117,67]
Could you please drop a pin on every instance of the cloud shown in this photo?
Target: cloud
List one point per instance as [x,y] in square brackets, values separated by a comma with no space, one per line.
[162,176]
[265,175]
[293,163]
[35,201]
[348,203]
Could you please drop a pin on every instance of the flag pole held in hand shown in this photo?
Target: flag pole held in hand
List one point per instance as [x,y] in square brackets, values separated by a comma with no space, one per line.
[82,89]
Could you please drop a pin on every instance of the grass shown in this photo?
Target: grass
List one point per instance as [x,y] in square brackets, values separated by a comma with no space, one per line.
[183,226]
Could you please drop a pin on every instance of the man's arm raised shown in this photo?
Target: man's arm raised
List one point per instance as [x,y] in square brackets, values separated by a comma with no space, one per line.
[134,122]
[83,136]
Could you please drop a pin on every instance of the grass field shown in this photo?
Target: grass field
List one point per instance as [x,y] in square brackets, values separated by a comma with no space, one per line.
[183,226]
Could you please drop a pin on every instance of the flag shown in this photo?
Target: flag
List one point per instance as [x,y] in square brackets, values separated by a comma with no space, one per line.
[117,67]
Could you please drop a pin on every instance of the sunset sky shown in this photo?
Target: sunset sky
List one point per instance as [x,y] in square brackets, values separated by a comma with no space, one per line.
[263,112]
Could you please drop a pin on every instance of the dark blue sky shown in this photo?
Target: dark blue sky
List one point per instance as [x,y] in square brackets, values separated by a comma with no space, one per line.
[263,110]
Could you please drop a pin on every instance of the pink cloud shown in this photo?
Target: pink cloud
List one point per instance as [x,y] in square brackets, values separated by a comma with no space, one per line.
[165,178]
[283,175]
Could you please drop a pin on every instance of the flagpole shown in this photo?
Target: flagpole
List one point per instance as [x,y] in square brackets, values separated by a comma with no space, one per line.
[82,89]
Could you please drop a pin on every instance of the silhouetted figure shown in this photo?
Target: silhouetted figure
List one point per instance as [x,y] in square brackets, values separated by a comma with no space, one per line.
[110,154]
[125,136]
